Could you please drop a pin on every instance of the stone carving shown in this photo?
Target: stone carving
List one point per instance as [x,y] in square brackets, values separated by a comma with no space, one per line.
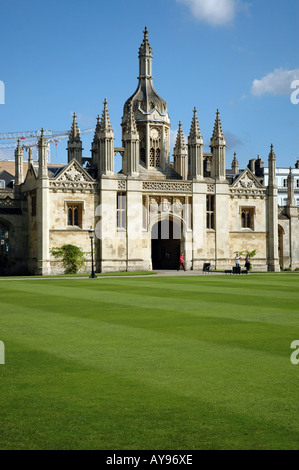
[246,185]
[121,184]
[167,186]
[166,205]
[7,202]
[73,177]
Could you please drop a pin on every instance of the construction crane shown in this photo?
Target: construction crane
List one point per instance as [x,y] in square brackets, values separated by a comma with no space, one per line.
[50,136]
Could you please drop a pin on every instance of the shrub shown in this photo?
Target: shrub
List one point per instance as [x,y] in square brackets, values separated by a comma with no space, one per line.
[72,258]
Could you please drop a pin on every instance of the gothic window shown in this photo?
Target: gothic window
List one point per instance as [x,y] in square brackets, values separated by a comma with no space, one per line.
[121,211]
[142,146]
[152,157]
[211,212]
[3,239]
[247,217]
[158,159]
[155,148]
[74,214]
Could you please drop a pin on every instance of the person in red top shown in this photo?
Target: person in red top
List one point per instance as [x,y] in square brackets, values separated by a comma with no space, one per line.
[181,263]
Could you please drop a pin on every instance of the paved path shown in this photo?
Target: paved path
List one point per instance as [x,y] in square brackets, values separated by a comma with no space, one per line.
[160,273]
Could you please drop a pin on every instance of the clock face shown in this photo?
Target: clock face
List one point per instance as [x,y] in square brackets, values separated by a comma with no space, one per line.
[155,134]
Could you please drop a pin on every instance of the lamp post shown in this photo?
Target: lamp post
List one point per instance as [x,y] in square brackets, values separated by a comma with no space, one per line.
[91,236]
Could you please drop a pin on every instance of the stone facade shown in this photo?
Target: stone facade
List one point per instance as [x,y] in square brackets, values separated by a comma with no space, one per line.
[153,209]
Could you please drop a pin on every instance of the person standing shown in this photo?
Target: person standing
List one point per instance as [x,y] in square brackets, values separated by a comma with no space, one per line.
[238,269]
[181,262]
[247,263]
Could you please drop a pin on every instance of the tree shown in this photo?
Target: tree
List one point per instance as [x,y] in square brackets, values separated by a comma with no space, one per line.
[245,253]
[72,258]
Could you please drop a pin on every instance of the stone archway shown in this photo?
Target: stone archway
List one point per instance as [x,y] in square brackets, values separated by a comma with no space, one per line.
[4,247]
[4,238]
[166,239]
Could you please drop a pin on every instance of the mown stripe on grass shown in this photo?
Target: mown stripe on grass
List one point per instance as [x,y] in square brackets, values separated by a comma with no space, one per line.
[221,378]
[227,305]
[188,378]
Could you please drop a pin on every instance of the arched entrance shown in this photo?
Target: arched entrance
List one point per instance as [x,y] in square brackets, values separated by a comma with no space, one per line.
[166,244]
[4,247]
[3,239]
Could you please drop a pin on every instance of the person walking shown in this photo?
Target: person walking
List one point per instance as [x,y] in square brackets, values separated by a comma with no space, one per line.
[181,262]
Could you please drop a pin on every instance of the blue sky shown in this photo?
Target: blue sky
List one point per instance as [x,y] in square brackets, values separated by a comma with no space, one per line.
[60,57]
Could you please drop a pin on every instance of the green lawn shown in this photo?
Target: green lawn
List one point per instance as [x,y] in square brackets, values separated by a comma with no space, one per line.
[150,363]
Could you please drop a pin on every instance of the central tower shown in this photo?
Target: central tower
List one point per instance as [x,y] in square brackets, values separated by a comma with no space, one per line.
[150,113]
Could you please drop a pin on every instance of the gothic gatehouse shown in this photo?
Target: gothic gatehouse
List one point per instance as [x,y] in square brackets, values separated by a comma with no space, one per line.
[161,203]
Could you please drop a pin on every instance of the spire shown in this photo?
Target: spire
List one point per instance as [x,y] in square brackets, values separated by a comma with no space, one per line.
[235,165]
[180,140]
[105,144]
[42,156]
[195,150]
[18,164]
[74,143]
[131,144]
[195,130]
[180,154]
[272,151]
[42,140]
[273,260]
[30,157]
[272,167]
[94,145]
[131,126]
[98,128]
[105,125]
[75,133]
[217,133]
[218,145]
[291,193]
[145,58]
[145,48]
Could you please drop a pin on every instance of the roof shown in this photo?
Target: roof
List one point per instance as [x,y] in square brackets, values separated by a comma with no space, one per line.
[7,177]
[9,166]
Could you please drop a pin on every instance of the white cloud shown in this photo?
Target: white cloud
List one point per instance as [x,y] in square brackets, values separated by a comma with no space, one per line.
[215,12]
[275,83]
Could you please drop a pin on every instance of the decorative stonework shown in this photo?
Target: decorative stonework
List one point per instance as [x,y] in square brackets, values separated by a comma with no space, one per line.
[7,202]
[73,185]
[178,206]
[246,185]
[73,177]
[211,188]
[121,184]
[174,186]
